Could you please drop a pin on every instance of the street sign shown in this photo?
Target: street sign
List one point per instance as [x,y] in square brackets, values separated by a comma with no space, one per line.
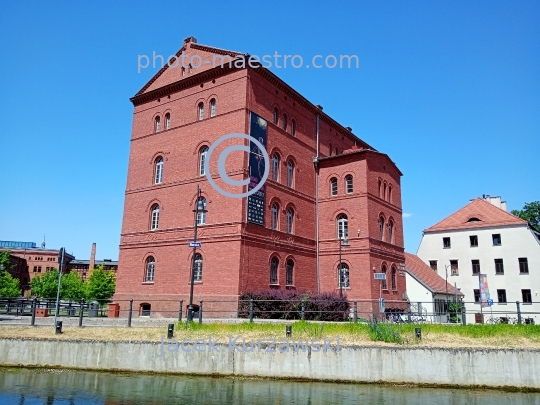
[490,302]
[380,276]
[194,244]
[401,266]
[381,305]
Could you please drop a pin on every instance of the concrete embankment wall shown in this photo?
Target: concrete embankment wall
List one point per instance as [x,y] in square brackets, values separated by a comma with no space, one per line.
[415,365]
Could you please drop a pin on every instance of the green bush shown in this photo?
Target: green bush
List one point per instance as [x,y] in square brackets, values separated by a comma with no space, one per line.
[384,332]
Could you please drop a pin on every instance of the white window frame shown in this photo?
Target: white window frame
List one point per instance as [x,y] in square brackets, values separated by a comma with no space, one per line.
[202,159]
[197,276]
[213,107]
[343,276]
[342,226]
[275,217]
[167,121]
[333,186]
[201,216]
[150,269]
[349,189]
[154,224]
[290,174]
[159,171]
[201,111]
[290,220]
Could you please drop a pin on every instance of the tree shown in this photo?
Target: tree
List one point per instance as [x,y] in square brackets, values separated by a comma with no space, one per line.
[9,286]
[72,287]
[530,213]
[101,284]
[5,262]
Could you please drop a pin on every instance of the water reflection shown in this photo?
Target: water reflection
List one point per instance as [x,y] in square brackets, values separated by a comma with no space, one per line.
[32,387]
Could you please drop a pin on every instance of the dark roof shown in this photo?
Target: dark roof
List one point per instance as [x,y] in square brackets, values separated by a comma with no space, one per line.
[97,262]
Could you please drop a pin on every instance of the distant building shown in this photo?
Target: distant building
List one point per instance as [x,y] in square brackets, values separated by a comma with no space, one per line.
[482,238]
[83,267]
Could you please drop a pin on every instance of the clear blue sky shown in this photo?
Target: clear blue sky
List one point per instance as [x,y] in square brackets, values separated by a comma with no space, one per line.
[450,90]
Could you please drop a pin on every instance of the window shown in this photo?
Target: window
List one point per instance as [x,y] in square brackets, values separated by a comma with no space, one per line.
[348,184]
[499,266]
[155,218]
[275,120]
[390,231]
[381,227]
[343,229]
[383,282]
[336,150]
[197,270]
[496,239]
[394,286]
[333,186]
[274,270]
[146,309]
[526,296]
[201,111]
[39,269]
[501,295]
[284,122]
[275,216]
[473,219]
[433,265]
[446,243]
[290,215]
[330,150]
[35,269]
[213,107]
[157,124]
[343,276]
[389,193]
[293,127]
[167,121]
[384,191]
[289,272]
[523,265]
[474,240]
[159,170]
[150,267]
[202,160]
[475,267]
[476,295]
[290,174]
[454,268]
[275,167]
[440,307]
[201,216]
[380,188]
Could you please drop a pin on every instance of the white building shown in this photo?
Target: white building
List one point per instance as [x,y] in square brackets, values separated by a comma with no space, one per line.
[482,238]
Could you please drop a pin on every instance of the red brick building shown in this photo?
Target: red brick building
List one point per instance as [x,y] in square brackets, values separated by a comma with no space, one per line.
[322,176]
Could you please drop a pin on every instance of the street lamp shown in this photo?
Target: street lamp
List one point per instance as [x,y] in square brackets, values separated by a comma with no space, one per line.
[343,241]
[199,209]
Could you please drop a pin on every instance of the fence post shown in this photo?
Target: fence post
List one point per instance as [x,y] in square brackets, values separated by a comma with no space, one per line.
[180,311]
[130,312]
[409,314]
[81,310]
[251,310]
[17,306]
[200,311]
[518,312]
[303,310]
[33,321]
[355,311]
[463,314]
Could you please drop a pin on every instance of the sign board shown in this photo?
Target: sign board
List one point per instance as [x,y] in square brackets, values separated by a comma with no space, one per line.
[381,305]
[195,244]
[255,202]
[490,302]
[401,267]
[484,289]
[379,276]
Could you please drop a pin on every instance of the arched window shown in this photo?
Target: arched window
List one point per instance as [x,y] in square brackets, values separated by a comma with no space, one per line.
[159,171]
[343,276]
[290,216]
[201,111]
[289,272]
[393,279]
[381,227]
[391,231]
[274,263]
[389,193]
[290,173]
[348,184]
[333,186]
[202,160]
[383,282]
[284,122]
[197,276]
[384,191]
[342,227]
[213,107]
[330,150]
[275,120]
[154,221]
[336,150]
[201,216]
[167,121]
[275,167]
[150,267]
[157,124]
[293,127]
[380,188]
[275,216]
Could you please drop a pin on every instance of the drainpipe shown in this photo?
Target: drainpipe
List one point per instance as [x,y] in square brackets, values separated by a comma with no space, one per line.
[316,162]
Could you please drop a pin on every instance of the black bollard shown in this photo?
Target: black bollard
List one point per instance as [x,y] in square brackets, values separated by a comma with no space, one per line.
[288,330]
[418,333]
[58,327]
[170,331]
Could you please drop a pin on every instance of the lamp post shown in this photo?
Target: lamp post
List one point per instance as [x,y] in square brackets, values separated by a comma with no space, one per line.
[343,241]
[446,284]
[199,209]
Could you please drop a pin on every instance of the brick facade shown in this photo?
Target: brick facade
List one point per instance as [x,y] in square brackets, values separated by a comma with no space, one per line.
[236,254]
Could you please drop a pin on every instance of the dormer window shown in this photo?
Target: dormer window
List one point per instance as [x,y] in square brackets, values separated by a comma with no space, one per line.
[473,219]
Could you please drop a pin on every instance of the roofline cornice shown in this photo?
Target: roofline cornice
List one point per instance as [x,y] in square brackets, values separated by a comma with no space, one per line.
[494,226]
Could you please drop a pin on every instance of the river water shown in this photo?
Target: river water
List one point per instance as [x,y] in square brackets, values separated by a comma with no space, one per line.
[56,387]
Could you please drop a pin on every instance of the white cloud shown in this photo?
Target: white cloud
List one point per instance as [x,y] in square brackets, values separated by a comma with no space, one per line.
[406,215]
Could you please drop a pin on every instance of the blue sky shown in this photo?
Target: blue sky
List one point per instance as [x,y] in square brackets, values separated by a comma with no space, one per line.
[450,90]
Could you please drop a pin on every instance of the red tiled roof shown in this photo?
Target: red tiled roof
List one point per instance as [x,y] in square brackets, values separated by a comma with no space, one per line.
[422,272]
[487,213]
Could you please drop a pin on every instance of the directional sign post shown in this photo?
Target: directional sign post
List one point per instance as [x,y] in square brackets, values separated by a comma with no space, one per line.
[490,302]
[379,276]
[195,244]
[381,305]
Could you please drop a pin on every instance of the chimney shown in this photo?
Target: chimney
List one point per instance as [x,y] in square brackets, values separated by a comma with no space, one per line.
[348,129]
[319,107]
[92,257]
[190,39]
